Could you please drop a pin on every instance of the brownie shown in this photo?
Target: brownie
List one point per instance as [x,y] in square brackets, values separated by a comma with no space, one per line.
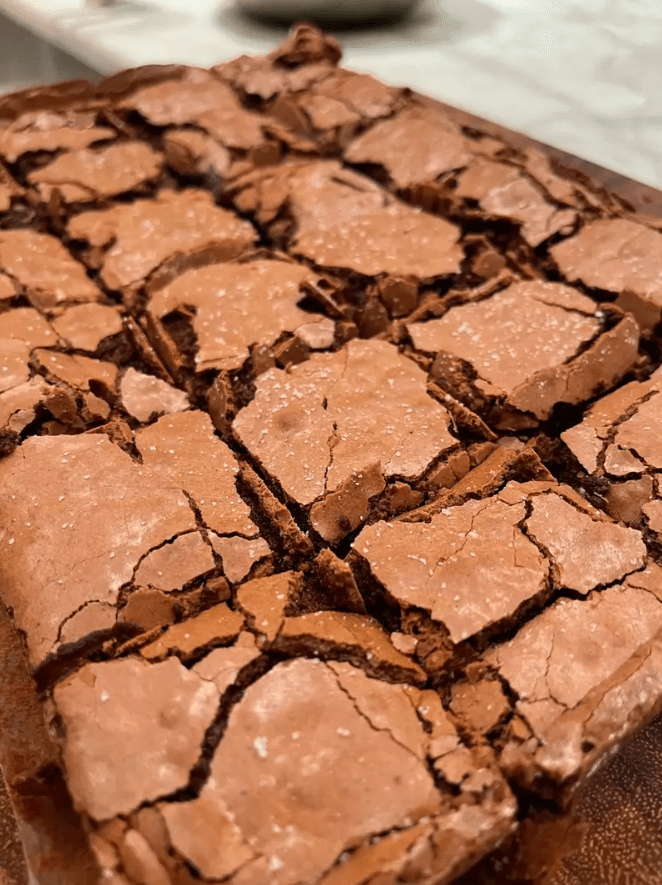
[329,482]
[617,441]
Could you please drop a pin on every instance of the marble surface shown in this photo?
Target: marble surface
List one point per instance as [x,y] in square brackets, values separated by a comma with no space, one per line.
[582,75]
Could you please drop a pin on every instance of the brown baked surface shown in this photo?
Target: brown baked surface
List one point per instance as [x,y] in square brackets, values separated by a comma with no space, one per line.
[329,488]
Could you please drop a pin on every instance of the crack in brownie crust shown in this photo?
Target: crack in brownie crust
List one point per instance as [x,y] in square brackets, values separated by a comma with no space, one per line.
[330,509]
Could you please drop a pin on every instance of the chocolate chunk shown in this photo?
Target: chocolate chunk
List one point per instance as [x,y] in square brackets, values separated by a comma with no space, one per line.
[110,709]
[331,430]
[223,295]
[84,175]
[399,296]
[144,396]
[360,228]
[45,269]
[175,222]
[619,256]
[534,345]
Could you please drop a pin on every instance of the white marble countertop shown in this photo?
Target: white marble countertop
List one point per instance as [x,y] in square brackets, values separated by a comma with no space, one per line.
[582,75]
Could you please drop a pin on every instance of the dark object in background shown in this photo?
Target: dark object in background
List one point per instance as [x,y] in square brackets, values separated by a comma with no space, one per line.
[326,12]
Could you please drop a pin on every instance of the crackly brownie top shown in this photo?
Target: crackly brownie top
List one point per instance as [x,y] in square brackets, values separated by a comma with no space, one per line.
[343,220]
[142,235]
[329,466]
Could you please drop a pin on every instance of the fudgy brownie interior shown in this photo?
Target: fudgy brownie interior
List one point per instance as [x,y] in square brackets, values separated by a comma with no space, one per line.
[329,483]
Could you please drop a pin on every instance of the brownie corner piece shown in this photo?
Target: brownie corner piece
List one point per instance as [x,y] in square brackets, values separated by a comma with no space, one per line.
[154,523]
[571,632]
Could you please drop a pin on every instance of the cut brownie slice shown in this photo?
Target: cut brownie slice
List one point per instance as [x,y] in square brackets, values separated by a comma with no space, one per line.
[514,355]
[225,323]
[128,242]
[340,219]
[620,257]
[133,520]
[619,441]
[303,729]
[334,430]
[483,570]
